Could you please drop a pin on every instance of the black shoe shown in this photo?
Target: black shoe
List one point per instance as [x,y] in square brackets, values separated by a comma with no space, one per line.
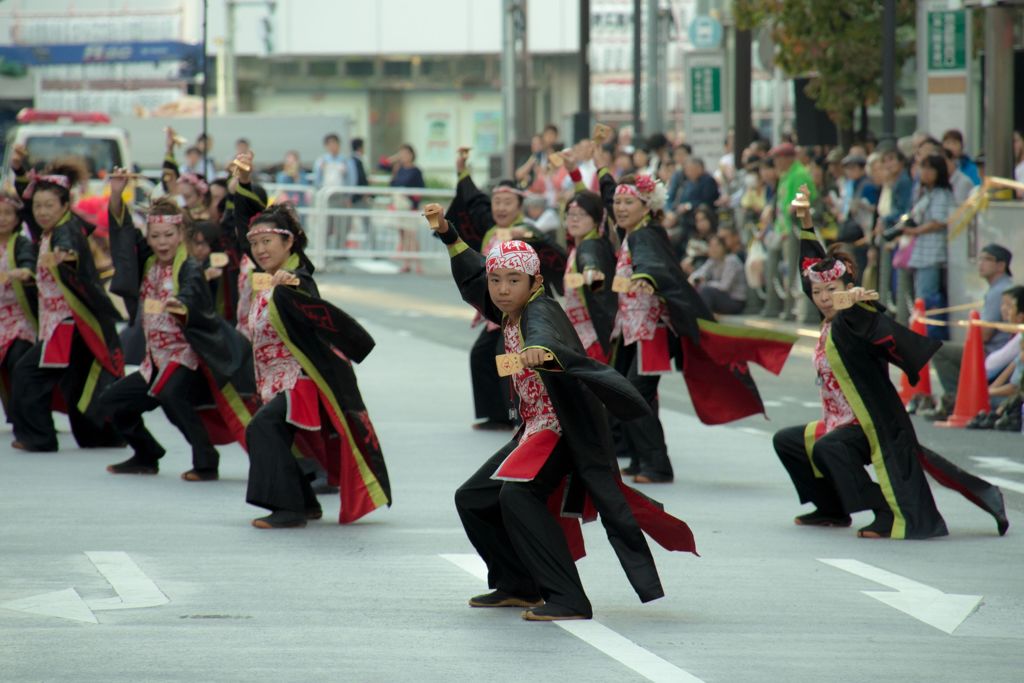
[941,411]
[819,518]
[983,420]
[1009,422]
[134,465]
[200,475]
[880,528]
[499,598]
[494,426]
[282,519]
[551,612]
[314,512]
[652,478]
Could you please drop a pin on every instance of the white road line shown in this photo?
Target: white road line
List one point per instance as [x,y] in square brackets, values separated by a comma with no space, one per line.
[772,404]
[1010,484]
[944,611]
[999,464]
[755,431]
[621,649]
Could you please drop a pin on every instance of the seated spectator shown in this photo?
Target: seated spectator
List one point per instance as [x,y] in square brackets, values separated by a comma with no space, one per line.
[695,241]
[721,281]
[1004,391]
[1001,303]
[730,237]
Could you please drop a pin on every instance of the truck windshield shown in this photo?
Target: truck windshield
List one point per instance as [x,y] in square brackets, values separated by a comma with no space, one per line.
[100,154]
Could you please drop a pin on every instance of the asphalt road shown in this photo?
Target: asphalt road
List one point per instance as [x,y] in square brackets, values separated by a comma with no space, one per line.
[113,578]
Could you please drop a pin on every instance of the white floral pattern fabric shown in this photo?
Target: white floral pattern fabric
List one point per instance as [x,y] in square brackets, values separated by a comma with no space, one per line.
[835,409]
[535,406]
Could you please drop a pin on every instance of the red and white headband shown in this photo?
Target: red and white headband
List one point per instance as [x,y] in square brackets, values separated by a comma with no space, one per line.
[53,179]
[503,189]
[173,219]
[513,255]
[12,200]
[646,189]
[837,271]
[267,229]
[195,181]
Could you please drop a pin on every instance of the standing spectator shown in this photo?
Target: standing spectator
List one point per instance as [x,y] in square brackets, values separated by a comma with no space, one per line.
[405,173]
[953,140]
[549,138]
[357,176]
[291,170]
[680,155]
[193,162]
[783,246]
[660,149]
[894,200]
[204,143]
[1018,157]
[958,180]
[623,165]
[720,280]
[857,209]
[931,213]
[330,170]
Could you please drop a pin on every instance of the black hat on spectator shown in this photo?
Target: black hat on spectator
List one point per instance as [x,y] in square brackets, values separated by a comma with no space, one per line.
[854,160]
[1000,253]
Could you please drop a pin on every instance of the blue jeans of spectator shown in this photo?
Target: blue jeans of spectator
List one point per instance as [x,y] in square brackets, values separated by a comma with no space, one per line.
[927,281]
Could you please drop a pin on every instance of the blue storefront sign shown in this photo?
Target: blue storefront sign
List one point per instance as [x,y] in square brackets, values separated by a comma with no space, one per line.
[99,53]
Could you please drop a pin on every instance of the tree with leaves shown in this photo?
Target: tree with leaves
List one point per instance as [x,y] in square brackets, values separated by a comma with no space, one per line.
[838,44]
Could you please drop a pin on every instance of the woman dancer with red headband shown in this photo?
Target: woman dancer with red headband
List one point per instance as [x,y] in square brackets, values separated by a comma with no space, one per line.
[193,357]
[590,268]
[18,304]
[78,349]
[863,418]
[483,222]
[662,317]
[303,350]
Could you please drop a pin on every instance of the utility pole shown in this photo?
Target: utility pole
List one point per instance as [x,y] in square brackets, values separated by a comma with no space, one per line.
[206,94]
[999,93]
[581,122]
[889,72]
[742,124]
[509,81]
[638,58]
[654,108]
[230,82]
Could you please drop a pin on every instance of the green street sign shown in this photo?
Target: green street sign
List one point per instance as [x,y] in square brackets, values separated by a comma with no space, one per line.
[947,40]
[705,90]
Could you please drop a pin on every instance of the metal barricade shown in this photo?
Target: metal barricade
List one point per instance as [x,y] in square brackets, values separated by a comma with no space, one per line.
[363,221]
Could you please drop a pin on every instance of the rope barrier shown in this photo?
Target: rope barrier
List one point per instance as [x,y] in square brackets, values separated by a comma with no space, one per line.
[954,309]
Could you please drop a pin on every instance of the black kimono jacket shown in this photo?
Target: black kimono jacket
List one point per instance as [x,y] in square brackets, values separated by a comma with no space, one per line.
[470,213]
[225,354]
[596,253]
[580,388]
[713,356]
[20,253]
[326,341]
[863,341]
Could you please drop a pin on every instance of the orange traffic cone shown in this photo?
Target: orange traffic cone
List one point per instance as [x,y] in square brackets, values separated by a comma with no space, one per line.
[924,384]
[972,391]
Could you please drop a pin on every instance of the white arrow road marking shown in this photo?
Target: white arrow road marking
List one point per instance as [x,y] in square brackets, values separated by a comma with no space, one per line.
[621,649]
[134,590]
[65,604]
[1008,484]
[944,611]
[999,464]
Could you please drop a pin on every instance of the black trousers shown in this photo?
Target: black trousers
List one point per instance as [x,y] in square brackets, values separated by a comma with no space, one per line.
[840,457]
[128,398]
[17,349]
[643,439]
[491,396]
[512,529]
[32,397]
[276,481]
